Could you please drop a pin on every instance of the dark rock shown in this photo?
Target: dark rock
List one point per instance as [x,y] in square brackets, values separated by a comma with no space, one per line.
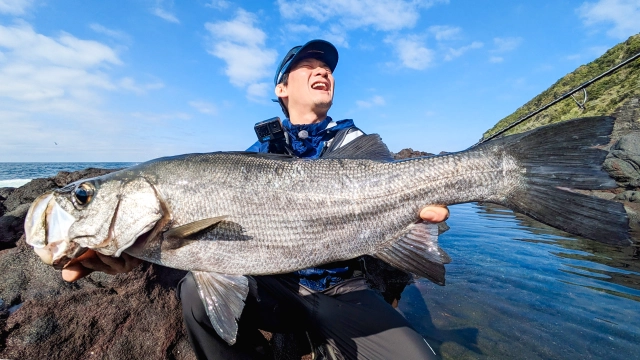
[622,171]
[410,153]
[12,226]
[28,192]
[623,161]
[64,177]
[629,195]
[627,118]
[5,192]
[129,316]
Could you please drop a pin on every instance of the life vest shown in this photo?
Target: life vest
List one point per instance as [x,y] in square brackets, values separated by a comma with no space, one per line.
[315,141]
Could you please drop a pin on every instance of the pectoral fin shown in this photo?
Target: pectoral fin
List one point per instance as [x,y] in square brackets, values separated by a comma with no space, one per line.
[223,298]
[417,251]
[193,227]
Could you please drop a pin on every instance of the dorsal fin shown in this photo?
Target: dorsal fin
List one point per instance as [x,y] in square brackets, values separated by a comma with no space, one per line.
[368,147]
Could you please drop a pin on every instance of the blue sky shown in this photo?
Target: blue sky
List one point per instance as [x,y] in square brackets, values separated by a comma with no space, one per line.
[138,79]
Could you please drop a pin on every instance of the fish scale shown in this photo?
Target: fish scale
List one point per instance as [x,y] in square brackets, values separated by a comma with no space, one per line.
[361,199]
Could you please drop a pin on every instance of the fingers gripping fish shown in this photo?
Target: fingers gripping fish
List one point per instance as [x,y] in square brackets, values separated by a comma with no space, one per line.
[225,216]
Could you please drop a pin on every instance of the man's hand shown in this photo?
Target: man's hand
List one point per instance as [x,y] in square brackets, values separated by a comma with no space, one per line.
[434,213]
[92,261]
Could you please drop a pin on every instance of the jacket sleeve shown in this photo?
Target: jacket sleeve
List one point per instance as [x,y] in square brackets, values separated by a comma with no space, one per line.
[259,147]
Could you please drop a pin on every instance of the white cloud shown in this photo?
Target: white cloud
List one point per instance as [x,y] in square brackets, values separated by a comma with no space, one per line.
[23,42]
[54,88]
[259,91]
[445,32]
[336,35]
[412,52]
[163,14]
[204,107]
[377,100]
[56,71]
[624,15]
[218,4]
[115,34]
[242,46]
[454,53]
[130,84]
[301,28]
[506,44]
[333,33]
[14,7]
[383,15]
[160,117]
[496,59]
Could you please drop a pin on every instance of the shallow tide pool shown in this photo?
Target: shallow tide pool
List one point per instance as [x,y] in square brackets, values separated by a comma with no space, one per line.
[518,289]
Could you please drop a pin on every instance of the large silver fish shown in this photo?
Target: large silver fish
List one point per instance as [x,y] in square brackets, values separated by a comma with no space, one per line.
[227,215]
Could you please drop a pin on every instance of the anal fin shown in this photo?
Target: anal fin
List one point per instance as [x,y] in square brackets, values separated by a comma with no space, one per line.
[417,251]
[223,298]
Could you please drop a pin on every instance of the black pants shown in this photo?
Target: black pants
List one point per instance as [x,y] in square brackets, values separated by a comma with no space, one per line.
[354,319]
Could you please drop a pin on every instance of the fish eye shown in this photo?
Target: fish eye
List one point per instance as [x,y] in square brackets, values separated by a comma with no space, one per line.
[83,194]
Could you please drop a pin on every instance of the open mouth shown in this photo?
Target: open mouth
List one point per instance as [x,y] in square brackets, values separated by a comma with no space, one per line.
[320,85]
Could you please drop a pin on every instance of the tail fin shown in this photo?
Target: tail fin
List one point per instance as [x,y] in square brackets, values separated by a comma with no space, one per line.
[561,157]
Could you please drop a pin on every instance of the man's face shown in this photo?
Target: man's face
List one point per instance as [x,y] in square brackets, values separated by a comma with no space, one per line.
[309,88]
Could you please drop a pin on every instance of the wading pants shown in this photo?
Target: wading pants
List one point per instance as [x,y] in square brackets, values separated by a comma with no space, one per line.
[349,317]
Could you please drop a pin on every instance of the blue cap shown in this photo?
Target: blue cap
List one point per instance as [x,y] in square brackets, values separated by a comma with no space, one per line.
[316,49]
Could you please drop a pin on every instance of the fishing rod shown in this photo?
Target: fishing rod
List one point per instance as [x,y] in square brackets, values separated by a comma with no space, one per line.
[562,97]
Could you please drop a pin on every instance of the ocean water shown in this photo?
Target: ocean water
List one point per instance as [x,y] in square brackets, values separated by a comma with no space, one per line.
[516,289]
[16,174]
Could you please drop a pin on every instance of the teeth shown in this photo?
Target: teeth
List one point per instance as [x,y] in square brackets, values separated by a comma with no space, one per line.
[318,85]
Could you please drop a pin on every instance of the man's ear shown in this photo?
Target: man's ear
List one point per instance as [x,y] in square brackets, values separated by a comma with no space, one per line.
[281,91]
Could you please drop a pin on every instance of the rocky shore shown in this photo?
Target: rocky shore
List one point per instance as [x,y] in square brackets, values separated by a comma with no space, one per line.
[128,316]
[137,315]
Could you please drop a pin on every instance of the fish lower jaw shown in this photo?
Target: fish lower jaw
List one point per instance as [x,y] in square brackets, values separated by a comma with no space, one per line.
[52,253]
[45,255]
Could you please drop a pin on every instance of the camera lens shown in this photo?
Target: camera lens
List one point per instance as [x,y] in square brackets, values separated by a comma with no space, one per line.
[262,131]
[274,127]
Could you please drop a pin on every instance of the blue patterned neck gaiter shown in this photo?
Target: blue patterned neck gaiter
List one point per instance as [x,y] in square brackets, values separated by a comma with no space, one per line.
[307,141]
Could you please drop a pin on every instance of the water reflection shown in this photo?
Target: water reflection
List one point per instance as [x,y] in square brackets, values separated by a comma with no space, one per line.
[593,253]
[520,289]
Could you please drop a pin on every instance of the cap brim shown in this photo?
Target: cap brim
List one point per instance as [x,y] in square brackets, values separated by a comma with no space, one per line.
[316,49]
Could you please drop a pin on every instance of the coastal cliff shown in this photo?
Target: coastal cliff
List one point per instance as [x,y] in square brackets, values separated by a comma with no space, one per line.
[607,96]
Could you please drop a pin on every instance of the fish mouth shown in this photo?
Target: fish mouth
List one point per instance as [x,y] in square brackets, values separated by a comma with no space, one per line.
[65,260]
[46,229]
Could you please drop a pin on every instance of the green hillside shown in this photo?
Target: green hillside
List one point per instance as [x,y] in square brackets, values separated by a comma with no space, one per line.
[604,96]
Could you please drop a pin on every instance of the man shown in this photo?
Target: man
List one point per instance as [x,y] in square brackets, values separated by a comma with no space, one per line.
[332,303]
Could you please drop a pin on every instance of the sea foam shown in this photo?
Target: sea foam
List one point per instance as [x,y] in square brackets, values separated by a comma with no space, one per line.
[13,182]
